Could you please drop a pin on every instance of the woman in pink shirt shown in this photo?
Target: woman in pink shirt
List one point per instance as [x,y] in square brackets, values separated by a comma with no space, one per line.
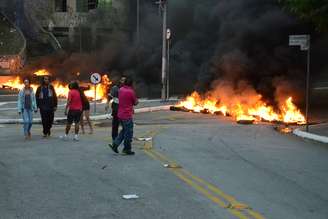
[73,110]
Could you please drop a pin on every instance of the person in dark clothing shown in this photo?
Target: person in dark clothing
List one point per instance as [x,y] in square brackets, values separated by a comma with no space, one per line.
[46,100]
[113,97]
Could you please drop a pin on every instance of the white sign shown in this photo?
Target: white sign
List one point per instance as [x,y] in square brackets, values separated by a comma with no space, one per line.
[168,34]
[95,78]
[300,40]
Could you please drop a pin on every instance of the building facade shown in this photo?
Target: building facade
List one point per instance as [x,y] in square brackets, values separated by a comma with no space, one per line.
[79,24]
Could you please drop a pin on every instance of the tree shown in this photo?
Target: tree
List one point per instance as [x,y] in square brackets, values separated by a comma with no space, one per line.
[315,11]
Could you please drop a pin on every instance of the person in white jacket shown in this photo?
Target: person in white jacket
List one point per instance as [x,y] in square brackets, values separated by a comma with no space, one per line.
[26,104]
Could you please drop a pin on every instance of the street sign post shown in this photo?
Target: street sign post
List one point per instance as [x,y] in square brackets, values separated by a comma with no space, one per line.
[168,38]
[95,79]
[304,41]
[163,8]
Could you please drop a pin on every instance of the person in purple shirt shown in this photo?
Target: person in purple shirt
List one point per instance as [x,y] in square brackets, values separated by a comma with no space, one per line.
[127,100]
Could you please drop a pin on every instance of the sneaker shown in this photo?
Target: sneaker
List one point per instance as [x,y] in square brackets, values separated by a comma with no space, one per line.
[76,138]
[128,152]
[113,147]
[64,137]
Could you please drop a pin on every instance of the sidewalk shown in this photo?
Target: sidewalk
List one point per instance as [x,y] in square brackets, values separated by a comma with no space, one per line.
[9,115]
[316,132]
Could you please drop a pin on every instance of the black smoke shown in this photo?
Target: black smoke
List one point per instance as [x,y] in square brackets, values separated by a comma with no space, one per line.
[232,40]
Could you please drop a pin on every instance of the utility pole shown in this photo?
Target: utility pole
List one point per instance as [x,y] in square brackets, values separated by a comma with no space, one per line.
[308,82]
[163,7]
[80,30]
[304,41]
[138,21]
[168,38]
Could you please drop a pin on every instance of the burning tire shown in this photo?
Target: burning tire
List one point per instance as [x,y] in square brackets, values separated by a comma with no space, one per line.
[175,108]
[245,122]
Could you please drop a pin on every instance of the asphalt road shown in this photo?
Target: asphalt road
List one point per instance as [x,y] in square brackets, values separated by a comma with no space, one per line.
[220,170]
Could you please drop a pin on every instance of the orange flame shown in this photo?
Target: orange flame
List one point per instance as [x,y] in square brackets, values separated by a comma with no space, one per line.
[258,111]
[62,88]
[291,114]
[42,72]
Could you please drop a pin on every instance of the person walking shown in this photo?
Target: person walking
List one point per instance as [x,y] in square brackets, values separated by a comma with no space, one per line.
[26,104]
[73,110]
[85,112]
[127,100]
[113,97]
[46,100]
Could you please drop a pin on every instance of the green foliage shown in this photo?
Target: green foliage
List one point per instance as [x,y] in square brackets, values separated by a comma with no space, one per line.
[315,11]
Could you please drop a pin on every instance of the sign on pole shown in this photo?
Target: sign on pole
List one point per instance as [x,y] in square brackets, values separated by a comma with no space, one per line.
[300,40]
[304,41]
[95,79]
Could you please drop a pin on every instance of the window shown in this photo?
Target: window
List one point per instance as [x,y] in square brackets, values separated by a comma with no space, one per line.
[92,4]
[105,3]
[86,5]
[82,5]
[61,5]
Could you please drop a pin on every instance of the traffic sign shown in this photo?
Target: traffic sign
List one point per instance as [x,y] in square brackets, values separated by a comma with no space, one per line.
[95,78]
[304,41]
[300,40]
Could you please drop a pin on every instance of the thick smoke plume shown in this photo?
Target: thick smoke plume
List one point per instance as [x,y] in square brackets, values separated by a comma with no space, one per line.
[240,43]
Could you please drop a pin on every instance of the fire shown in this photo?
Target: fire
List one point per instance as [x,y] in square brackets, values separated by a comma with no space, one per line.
[42,72]
[61,88]
[291,114]
[257,111]
[101,89]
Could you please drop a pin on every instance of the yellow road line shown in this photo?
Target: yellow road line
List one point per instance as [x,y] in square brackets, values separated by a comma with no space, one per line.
[199,188]
[236,208]
[208,195]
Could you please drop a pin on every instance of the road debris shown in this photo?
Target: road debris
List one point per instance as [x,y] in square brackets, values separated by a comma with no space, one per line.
[145,139]
[172,166]
[237,206]
[130,196]
[284,129]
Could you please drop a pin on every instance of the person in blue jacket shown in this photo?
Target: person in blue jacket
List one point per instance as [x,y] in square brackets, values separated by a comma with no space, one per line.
[26,104]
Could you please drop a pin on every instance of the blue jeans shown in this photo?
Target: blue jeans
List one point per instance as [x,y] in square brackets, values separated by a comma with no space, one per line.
[27,121]
[126,134]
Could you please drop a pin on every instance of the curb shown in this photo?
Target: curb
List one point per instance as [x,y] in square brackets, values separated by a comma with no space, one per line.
[310,136]
[93,118]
